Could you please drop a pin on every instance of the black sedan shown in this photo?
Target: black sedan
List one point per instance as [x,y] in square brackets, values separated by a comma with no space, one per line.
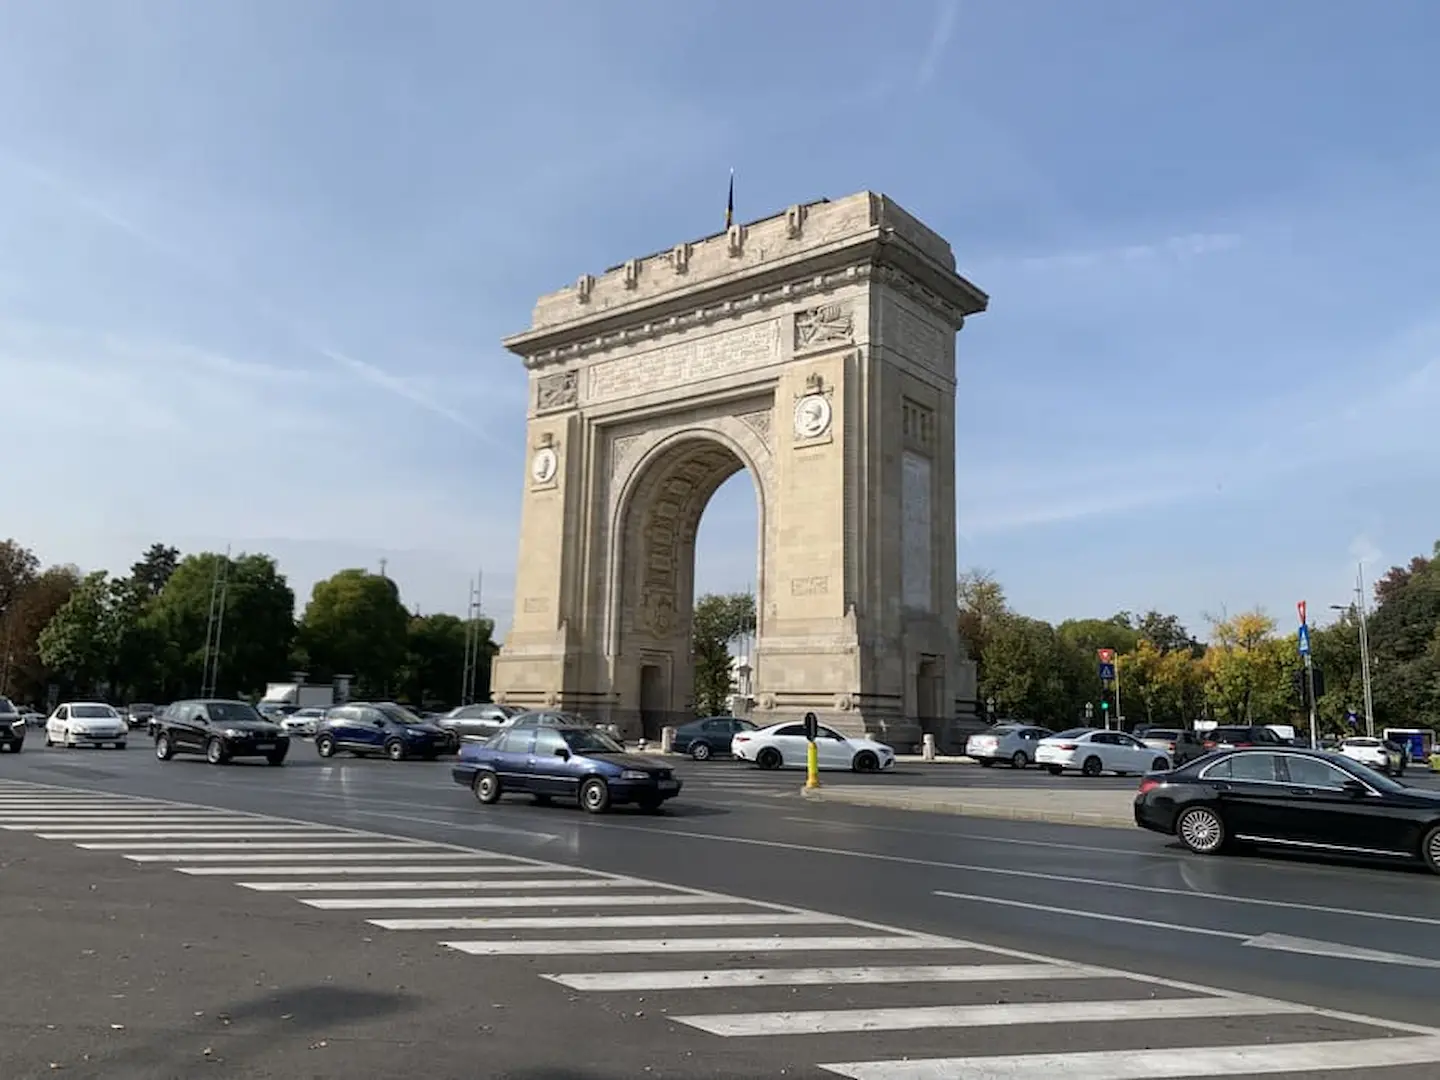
[704,738]
[221,730]
[1311,800]
[560,762]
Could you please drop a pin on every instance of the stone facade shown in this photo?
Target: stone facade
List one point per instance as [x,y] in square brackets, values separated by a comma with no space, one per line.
[815,349]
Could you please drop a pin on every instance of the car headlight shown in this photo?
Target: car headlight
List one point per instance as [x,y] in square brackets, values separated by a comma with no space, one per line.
[233,733]
[17,723]
[634,774]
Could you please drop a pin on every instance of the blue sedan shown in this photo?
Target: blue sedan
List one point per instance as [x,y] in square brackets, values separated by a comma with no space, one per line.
[564,762]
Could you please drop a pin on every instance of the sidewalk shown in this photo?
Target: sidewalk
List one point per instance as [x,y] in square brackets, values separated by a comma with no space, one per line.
[1107,809]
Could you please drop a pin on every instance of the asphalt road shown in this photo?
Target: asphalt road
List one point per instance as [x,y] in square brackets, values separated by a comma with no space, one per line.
[985,892]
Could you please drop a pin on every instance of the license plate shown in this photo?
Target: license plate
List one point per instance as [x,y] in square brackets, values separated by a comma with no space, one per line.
[264,746]
[669,785]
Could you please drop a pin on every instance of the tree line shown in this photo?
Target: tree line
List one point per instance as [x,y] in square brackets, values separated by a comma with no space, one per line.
[1246,672]
[142,636]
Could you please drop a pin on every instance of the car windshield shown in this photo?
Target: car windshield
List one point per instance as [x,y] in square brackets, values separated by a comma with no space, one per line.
[590,741]
[141,706]
[232,712]
[1361,742]
[1073,733]
[92,712]
[5,705]
[399,714]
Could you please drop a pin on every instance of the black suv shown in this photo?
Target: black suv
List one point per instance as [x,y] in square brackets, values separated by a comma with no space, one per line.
[220,730]
[12,727]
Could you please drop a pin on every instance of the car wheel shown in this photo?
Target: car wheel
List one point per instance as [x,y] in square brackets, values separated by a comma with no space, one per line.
[1092,766]
[1159,765]
[1054,770]
[395,750]
[325,746]
[1430,849]
[276,758]
[1201,830]
[595,796]
[164,750]
[865,761]
[1018,760]
[700,751]
[215,752]
[487,787]
[769,758]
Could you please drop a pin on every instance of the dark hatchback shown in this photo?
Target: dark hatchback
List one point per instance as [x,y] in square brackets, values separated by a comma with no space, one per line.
[704,738]
[221,730]
[1310,800]
[561,762]
[364,727]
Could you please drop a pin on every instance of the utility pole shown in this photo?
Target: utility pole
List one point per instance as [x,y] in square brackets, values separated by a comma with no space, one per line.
[469,678]
[383,564]
[215,624]
[1365,653]
[1303,641]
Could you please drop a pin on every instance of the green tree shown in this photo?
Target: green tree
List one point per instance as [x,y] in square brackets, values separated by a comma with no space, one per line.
[18,569]
[1091,635]
[718,620]
[1406,677]
[155,569]
[1248,671]
[435,661]
[81,640]
[1029,671]
[26,677]
[1167,633]
[355,624]
[255,635]
[980,605]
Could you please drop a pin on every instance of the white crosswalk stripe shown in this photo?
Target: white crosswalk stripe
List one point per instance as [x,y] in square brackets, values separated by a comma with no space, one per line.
[582,928]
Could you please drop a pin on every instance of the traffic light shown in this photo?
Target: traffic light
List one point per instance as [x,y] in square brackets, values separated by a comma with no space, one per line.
[1104,706]
[812,726]
[1319,677]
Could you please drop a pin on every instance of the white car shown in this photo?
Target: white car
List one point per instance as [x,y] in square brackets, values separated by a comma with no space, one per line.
[1094,751]
[86,723]
[782,746]
[1375,753]
[1013,743]
[302,721]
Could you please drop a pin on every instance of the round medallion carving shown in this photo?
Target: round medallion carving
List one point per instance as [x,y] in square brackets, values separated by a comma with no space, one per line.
[812,416]
[844,702]
[767,702]
[544,465]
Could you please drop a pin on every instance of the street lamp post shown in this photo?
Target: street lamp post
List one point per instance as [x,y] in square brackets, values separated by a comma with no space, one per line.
[1359,608]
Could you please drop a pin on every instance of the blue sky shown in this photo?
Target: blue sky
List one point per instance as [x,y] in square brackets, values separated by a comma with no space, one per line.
[256,259]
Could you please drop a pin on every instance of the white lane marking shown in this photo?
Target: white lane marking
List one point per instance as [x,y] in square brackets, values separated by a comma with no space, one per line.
[1126,919]
[1191,1062]
[412,903]
[463,883]
[250,845]
[631,946]
[591,922]
[211,834]
[728,978]
[474,826]
[914,1018]
[469,866]
[1336,950]
[121,822]
[317,857]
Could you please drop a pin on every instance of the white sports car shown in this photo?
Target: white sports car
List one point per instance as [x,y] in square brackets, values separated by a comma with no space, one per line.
[782,746]
[86,723]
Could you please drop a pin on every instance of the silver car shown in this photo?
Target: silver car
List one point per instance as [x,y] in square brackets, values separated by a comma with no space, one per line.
[1012,743]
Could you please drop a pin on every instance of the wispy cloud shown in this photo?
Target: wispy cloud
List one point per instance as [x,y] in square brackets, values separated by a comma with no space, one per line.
[947,13]
[393,384]
[1173,249]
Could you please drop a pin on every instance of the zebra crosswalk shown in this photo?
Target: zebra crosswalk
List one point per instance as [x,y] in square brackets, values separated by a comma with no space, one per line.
[851,998]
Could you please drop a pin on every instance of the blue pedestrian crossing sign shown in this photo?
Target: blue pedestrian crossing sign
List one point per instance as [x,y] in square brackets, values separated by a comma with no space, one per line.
[1304,640]
[1107,672]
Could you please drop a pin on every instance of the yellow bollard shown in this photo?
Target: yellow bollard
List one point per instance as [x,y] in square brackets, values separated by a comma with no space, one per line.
[812,765]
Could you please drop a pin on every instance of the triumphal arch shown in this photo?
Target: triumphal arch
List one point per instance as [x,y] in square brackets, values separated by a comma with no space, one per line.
[815,349]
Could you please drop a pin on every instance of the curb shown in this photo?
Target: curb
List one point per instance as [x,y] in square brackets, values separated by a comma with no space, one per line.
[856,797]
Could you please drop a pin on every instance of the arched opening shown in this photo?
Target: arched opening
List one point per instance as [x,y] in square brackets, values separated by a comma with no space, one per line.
[657,561]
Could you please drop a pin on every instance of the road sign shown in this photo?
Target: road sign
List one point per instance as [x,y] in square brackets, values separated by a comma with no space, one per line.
[1304,640]
[1106,656]
[1300,607]
[1107,672]
[1089,710]
[1351,718]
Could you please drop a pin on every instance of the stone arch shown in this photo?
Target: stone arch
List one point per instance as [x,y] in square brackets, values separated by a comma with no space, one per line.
[655,512]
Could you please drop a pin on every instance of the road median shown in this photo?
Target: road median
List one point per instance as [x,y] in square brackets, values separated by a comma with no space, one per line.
[1105,809]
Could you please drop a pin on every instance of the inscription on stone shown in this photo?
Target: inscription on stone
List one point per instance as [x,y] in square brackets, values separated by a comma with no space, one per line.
[536,605]
[678,365]
[809,586]
[917,339]
[916,568]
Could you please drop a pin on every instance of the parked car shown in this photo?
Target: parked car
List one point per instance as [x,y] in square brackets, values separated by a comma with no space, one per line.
[480,720]
[783,746]
[708,736]
[12,727]
[1181,744]
[1383,756]
[138,714]
[1238,737]
[1291,797]
[381,727]
[558,761]
[86,723]
[221,730]
[1009,742]
[1093,751]
[302,721]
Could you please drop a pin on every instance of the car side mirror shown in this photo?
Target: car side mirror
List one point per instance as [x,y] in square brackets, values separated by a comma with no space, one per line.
[1355,789]
[562,753]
